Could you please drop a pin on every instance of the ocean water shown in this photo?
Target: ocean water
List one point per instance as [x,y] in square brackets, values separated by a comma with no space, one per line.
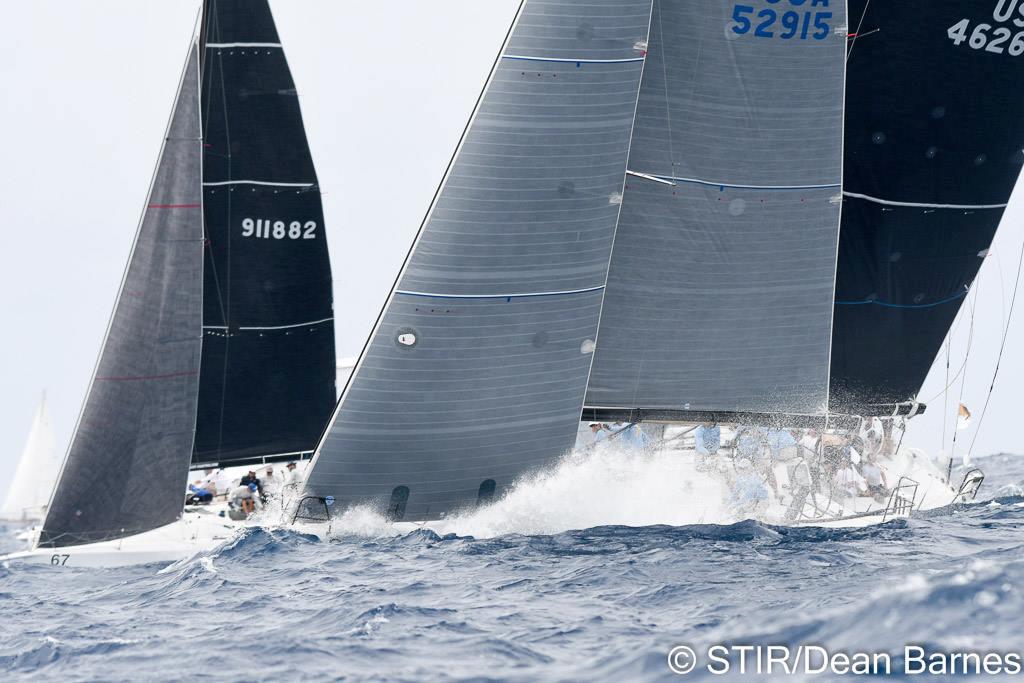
[509,594]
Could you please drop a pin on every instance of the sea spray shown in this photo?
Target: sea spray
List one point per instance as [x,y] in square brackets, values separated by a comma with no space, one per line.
[607,486]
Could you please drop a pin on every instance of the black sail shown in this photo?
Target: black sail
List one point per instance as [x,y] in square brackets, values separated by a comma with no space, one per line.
[268,369]
[933,149]
[129,457]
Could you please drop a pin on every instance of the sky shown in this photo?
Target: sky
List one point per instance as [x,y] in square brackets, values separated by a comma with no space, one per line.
[385,89]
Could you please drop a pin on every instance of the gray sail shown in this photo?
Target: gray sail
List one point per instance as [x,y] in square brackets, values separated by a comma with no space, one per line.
[128,461]
[719,297]
[477,369]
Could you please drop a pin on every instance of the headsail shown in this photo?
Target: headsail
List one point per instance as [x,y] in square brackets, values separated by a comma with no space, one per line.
[129,456]
[268,368]
[37,470]
[477,368]
[720,293]
[934,146]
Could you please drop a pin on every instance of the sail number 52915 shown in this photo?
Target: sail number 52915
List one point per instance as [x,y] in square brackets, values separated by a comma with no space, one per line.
[278,230]
[774,22]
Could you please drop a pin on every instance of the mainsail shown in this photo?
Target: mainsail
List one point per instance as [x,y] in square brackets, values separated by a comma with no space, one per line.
[720,293]
[37,469]
[477,368]
[934,146]
[268,378]
[129,456]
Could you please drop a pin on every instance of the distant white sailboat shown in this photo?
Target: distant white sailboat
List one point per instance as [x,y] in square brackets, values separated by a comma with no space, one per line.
[29,491]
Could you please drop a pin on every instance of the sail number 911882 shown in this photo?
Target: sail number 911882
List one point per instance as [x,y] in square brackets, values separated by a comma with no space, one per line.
[777,22]
[996,39]
[278,230]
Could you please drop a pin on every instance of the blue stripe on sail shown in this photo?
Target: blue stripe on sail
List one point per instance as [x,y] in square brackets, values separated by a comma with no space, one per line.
[736,186]
[527,58]
[890,305]
[509,297]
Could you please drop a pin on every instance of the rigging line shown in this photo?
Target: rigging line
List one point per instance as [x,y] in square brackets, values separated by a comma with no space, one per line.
[967,352]
[668,107]
[963,380]
[856,33]
[226,311]
[1002,289]
[945,394]
[1002,348]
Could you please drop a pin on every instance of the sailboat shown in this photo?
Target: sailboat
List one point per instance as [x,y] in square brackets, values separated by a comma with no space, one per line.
[220,349]
[36,472]
[681,213]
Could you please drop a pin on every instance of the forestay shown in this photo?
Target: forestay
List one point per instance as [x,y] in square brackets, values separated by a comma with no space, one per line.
[268,375]
[934,146]
[478,366]
[720,292]
[129,456]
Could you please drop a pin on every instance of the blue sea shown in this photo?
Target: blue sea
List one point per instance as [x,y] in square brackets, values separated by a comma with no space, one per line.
[606,603]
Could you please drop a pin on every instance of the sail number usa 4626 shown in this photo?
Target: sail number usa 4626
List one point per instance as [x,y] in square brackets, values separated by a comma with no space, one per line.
[993,37]
[278,230]
[779,20]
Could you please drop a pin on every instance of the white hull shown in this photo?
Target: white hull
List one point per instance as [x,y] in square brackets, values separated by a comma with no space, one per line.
[195,532]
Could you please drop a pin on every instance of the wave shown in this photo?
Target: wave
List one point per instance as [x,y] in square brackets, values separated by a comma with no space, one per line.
[607,487]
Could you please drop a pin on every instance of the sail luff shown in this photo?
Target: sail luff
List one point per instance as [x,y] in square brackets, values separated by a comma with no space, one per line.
[107,487]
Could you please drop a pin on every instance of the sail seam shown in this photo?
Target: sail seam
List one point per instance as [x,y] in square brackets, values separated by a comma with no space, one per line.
[521,295]
[921,205]
[564,60]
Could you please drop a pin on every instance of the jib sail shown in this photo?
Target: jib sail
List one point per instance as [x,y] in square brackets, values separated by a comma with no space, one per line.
[934,146]
[720,292]
[268,371]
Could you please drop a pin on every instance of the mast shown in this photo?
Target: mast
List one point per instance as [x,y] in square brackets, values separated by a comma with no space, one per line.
[934,147]
[267,385]
[719,298]
[477,367]
[128,457]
